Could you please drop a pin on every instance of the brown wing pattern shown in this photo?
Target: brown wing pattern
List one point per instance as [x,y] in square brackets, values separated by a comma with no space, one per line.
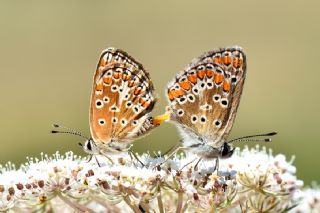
[205,96]
[122,97]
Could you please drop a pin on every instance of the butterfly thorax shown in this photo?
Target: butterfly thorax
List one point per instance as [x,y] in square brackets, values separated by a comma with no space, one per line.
[205,146]
[105,148]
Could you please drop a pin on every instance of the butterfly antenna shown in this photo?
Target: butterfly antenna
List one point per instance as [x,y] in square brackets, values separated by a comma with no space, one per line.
[253,138]
[67,131]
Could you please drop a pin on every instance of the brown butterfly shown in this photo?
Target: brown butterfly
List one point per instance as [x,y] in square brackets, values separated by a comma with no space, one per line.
[121,101]
[203,101]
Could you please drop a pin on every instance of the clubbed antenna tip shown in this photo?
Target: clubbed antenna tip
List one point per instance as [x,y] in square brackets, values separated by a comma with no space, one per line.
[272,133]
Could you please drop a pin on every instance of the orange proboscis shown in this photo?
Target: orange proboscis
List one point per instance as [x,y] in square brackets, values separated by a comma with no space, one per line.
[201,74]
[185,85]
[209,73]
[192,78]
[226,86]
[237,62]
[99,87]
[160,118]
[217,60]
[218,78]
[107,80]
[227,60]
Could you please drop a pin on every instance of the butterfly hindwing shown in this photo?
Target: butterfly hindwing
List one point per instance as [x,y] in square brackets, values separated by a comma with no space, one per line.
[205,96]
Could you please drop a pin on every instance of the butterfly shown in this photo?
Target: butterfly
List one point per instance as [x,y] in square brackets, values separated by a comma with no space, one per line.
[121,101]
[204,99]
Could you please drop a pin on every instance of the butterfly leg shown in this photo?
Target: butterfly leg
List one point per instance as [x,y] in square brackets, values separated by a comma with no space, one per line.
[188,164]
[195,168]
[171,154]
[216,166]
[132,154]
[96,160]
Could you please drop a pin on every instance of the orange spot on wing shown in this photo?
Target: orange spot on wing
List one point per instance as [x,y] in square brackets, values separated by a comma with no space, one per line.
[102,63]
[175,94]
[132,83]
[116,75]
[217,60]
[226,86]
[192,78]
[209,73]
[99,87]
[145,104]
[170,95]
[201,74]
[125,77]
[138,91]
[107,80]
[227,60]
[185,85]
[237,62]
[218,78]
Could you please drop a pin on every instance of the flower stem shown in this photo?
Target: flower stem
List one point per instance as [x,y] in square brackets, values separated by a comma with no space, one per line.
[74,205]
[133,207]
[160,204]
[107,205]
[180,202]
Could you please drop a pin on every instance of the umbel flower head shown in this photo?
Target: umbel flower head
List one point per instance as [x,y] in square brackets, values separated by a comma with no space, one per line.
[252,180]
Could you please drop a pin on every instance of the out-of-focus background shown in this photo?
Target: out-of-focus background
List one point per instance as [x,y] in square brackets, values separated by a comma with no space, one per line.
[49,52]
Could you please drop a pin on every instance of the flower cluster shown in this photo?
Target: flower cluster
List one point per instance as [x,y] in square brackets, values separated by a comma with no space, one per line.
[251,180]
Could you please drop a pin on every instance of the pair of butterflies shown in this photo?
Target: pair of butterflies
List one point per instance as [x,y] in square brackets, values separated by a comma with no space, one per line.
[203,101]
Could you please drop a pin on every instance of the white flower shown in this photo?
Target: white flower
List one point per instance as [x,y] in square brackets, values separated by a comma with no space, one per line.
[251,180]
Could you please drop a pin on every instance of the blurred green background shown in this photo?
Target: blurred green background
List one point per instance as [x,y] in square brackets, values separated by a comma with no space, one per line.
[49,51]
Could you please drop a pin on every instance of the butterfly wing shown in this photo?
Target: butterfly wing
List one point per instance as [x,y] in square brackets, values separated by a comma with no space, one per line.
[122,97]
[204,98]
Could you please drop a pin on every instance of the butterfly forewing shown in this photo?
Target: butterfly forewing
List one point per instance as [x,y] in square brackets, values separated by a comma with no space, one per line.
[204,97]
[122,97]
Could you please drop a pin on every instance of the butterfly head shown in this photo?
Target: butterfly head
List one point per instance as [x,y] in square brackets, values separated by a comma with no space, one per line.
[226,150]
[90,147]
